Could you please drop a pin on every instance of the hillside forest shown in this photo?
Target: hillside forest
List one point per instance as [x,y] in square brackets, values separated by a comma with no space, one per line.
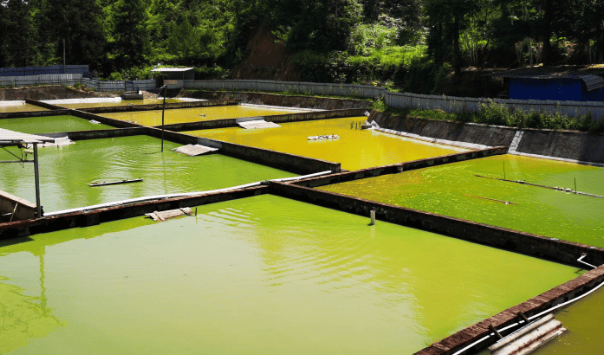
[345,41]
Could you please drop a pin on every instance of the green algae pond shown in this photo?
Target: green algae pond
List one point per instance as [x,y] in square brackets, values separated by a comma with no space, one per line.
[455,190]
[20,108]
[67,172]
[261,275]
[153,117]
[355,149]
[50,124]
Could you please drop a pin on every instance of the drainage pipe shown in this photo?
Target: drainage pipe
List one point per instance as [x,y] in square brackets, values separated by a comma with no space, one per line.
[530,319]
[163,197]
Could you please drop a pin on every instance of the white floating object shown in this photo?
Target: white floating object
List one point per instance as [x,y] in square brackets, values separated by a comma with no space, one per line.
[195,150]
[94,122]
[257,124]
[165,215]
[529,338]
[59,142]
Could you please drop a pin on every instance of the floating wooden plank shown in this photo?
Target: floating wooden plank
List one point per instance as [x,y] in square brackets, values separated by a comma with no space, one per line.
[103,183]
[257,124]
[195,150]
[165,215]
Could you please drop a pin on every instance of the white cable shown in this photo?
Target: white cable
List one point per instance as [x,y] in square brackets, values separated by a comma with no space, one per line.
[530,318]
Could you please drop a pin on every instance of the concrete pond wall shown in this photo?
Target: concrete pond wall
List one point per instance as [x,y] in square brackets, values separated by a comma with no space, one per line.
[570,145]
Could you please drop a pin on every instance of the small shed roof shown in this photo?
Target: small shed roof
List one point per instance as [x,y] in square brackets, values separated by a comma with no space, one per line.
[8,137]
[171,70]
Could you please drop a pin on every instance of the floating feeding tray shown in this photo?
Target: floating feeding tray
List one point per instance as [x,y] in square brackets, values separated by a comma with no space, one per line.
[477,190]
[345,142]
[260,275]
[50,124]
[67,172]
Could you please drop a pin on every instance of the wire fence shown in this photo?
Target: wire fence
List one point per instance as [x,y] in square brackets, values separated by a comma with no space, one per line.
[73,79]
[449,104]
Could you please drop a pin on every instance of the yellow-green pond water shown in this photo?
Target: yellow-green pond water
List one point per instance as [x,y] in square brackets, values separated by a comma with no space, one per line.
[121,103]
[67,172]
[355,149]
[50,124]
[21,108]
[262,275]
[153,118]
[454,190]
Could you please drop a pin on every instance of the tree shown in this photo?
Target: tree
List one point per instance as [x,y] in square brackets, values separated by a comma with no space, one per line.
[130,45]
[18,34]
[79,23]
[451,14]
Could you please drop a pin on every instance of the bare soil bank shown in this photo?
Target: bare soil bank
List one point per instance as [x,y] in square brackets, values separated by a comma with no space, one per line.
[278,100]
[48,93]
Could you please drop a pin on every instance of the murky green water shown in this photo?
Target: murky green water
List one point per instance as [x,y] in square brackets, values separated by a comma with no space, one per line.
[65,173]
[21,108]
[52,124]
[454,190]
[355,149]
[153,118]
[121,103]
[263,275]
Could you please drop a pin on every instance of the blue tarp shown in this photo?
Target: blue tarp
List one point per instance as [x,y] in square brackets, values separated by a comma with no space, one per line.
[558,89]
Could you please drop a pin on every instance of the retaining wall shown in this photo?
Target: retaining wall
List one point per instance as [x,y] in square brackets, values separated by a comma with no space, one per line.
[449,130]
[573,145]
[280,100]
[397,168]
[44,93]
[581,146]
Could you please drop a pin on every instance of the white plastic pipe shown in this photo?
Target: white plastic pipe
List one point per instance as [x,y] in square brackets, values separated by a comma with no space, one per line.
[530,319]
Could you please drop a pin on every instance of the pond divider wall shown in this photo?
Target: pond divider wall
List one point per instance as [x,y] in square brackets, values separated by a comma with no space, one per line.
[43,104]
[553,249]
[94,217]
[574,146]
[283,118]
[558,295]
[25,114]
[397,168]
[289,162]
